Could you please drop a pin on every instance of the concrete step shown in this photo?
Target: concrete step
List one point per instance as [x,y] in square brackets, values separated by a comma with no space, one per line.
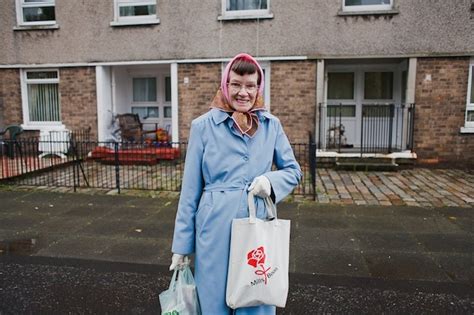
[364,166]
[365,160]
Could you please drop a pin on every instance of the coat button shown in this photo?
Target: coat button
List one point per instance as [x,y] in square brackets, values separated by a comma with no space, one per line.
[246,158]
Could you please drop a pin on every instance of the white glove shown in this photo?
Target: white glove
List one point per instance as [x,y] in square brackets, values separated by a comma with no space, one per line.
[179,261]
[261,187]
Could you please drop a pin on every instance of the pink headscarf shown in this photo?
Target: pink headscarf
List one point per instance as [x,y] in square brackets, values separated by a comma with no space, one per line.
[246,123]
[225,76]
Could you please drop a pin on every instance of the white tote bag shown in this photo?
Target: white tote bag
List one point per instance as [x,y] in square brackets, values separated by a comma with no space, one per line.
[258,262]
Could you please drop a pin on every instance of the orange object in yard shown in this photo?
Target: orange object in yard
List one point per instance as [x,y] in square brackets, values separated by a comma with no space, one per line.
[162,135]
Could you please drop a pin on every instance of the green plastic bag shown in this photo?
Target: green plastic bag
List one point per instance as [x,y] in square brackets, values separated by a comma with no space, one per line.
[181,297]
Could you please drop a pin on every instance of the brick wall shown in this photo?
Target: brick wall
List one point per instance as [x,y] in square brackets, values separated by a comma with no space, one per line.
[77,97]
[292,94]
[440,110]
[196,95]
[293,97]
[77,88]
[10,97]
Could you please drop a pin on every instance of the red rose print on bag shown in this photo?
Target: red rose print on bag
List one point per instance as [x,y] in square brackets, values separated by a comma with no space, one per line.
[256,257]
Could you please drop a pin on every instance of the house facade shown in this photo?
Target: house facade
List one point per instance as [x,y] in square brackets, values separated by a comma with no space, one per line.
[369,76]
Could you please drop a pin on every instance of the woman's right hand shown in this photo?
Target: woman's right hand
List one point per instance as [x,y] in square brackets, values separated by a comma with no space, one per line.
[178,260]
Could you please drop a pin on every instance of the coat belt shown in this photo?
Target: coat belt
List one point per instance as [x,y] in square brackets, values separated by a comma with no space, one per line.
[226,186]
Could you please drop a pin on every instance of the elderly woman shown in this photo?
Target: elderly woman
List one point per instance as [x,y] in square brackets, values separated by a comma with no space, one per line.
[231,151]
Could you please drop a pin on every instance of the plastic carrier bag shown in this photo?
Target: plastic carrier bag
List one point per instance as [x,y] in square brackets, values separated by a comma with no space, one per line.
[181,297]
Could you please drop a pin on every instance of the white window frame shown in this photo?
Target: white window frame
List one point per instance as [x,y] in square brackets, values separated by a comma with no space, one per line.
[20,4]
[134,20]
[245,14]
[469,125]
[27,123]
[367,8]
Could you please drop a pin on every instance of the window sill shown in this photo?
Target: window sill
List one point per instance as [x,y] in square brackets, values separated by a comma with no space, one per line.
[132,23]
[35,27]
[466,130]
[244,17]
[355,13]
[44,126]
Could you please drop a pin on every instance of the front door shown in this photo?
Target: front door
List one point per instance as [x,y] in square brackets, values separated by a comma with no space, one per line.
[359,101]
[151,100]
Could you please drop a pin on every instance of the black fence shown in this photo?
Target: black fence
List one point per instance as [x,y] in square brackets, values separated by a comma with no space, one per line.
[78,163]
[384,128]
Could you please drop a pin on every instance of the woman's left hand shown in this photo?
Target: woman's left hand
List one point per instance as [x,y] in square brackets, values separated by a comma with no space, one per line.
[261,187]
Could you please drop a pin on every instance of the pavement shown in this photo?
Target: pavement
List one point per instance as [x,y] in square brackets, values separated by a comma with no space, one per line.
[400,243]
[412,187]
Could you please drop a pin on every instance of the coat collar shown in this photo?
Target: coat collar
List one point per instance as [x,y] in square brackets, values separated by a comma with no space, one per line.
[220,116]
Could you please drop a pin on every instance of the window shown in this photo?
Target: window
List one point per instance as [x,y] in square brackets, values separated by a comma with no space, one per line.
[341,85]
[367,5]
[41,104]
[167,110]
[145,112]
[245,9]
[470,99]
[36,12]
[343,111]
[144,89]
[129,12]
[168,89]
[378,85]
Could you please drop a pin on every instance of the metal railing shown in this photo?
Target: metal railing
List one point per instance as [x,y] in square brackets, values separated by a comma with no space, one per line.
[117,165]
[380,128]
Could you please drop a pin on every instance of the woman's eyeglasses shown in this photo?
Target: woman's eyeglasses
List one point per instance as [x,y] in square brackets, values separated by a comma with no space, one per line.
[236,87]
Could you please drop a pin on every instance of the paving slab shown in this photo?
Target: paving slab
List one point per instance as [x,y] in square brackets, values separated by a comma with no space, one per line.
[146,251]
[446,243]
[393,242]
[383,241]
[330,262]
[399,265]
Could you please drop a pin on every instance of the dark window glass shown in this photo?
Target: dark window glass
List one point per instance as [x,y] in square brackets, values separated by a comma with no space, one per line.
[378,85]
[341,85]
[366,2]
[39,14]
[167,89]
[235,5]
[138,10]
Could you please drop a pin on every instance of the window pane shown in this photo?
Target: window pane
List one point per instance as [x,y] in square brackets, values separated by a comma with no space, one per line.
[138,10]
[141,111]
[44,1]
[376,111]
[38,14]
[43,102]
[344,110]
[470,115]
[167,89]
[341,86]
[472,85]
[234,5]
[378,85]
[42,75]
[144,89]
[404,86]
[167,113]
[366,2]
[152,112]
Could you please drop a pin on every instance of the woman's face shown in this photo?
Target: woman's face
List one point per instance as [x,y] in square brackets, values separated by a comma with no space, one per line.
[243,91]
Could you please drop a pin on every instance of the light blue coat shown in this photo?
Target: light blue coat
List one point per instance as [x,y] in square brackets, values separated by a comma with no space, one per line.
[220,165]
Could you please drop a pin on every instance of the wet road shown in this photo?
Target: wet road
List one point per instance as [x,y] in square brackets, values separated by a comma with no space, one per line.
[31,285]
